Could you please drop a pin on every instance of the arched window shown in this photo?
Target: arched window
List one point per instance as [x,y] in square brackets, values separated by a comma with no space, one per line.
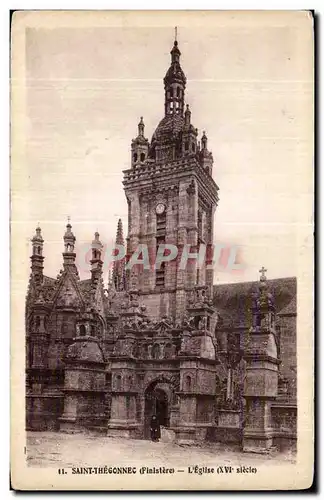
[142,156]
[168,351]
[186,146]
[193,146]
[156,351]
[39,250]
[37,323]
[30,350]
[82,330]
[178,91]
[118,382]
[188,383]
[135,157]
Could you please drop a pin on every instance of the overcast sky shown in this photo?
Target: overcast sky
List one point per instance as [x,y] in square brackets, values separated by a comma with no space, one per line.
[249,85]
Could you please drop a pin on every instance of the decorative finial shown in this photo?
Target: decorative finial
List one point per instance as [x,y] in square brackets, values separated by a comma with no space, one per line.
[175,33]
[38,236]
[204,140]
[141,127]
[263,271]
[68,219]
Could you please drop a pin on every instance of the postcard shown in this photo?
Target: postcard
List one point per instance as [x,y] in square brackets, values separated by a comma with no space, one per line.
[162,250]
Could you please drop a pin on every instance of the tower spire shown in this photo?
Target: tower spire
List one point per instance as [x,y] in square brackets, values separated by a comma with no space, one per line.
[140,145]
[119,272]
[69,254]
[37,258]
[174,83]
[96,261]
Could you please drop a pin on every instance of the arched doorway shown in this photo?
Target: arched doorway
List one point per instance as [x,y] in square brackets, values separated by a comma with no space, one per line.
[157,402]
[161,407]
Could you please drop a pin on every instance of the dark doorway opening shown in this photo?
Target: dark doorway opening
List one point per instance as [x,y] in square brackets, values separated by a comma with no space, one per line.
[156,403]
[162,407]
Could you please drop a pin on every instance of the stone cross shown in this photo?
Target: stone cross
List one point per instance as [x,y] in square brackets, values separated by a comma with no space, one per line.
[263,271]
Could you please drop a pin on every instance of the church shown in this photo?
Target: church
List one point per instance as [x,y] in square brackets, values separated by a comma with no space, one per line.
[213,362]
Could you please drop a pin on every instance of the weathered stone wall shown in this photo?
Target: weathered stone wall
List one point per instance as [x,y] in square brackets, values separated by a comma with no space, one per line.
[159,304]
[284,424]
[288,357]
[43,412]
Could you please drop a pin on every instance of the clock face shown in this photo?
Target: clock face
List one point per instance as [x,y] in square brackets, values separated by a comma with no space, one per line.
[160,208]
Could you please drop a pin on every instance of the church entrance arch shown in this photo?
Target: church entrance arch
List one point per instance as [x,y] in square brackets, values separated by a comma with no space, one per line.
[158,396]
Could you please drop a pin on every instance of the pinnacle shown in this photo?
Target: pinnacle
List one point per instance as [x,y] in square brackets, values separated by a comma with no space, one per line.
[120,233]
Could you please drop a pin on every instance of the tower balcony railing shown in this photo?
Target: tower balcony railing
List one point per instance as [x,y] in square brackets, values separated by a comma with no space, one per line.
[141,171]
[148,170]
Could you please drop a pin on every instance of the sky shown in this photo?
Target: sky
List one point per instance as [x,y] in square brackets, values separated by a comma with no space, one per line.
[85,85]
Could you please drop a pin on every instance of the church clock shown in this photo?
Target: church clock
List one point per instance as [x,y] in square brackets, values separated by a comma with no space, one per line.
[160,208]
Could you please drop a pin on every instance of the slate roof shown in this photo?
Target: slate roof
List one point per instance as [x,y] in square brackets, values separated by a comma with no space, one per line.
[170,124]
[291,308]
[175,73]
[234,300]
[48,281]
[87,292]
[85,285]
[49,288]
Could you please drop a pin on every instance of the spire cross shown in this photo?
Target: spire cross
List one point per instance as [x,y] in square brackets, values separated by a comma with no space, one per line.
[263,271]
[68,219]
[175,33]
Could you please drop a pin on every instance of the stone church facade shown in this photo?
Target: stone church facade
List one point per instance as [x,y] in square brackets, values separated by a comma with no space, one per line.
[213,362]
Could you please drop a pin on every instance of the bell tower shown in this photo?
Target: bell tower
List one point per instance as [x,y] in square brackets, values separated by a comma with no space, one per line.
[37,258]
[172,199]
[174,84]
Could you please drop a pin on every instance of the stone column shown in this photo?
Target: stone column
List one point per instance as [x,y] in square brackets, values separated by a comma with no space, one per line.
[123,422]
[38,370]
[261,378]
[186,428]
[182,240]
[133,236]
[192,234]
[209,252]
[84,376]
[175,411]
[124,388]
